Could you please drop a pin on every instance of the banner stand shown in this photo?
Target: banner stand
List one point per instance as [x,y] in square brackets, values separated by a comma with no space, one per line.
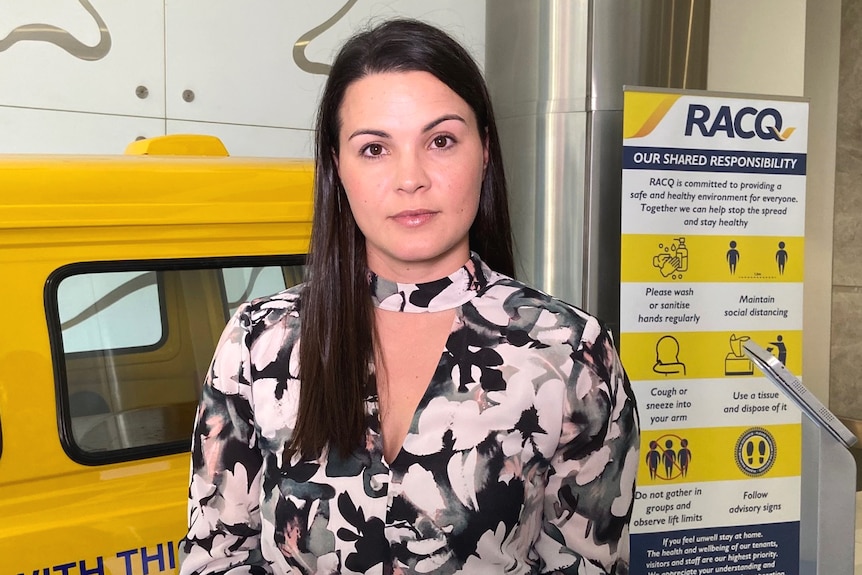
[828,512]
[733,478]
[827,527]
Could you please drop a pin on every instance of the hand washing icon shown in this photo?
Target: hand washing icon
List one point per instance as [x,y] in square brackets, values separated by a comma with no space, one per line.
[672,260]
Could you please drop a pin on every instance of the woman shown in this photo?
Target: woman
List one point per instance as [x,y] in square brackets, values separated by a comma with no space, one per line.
[321,446]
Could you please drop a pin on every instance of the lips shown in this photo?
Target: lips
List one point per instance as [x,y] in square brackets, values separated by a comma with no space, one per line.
[414,218]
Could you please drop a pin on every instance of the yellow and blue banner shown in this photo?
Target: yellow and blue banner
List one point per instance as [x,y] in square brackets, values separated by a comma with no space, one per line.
[713,231]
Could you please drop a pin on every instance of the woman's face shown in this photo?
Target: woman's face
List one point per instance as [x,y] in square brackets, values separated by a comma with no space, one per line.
[411,160]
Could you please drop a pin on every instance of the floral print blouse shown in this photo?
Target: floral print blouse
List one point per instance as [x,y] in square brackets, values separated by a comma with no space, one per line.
[521,456]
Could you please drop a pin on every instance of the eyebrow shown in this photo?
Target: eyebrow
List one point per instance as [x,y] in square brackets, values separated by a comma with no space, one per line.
[426,128]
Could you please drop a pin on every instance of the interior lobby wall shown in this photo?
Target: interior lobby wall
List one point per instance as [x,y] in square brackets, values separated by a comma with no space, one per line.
[791,48]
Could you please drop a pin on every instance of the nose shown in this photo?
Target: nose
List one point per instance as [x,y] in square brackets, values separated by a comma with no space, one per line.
[412,175]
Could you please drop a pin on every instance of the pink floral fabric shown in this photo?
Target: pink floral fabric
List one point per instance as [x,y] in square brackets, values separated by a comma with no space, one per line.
[521,457]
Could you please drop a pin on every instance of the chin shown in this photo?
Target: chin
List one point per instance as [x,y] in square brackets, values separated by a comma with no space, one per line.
[430,256]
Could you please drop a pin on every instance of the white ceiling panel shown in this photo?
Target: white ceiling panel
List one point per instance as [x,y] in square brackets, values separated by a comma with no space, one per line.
[28,131]
[255,141]
[83,55]
[235,61]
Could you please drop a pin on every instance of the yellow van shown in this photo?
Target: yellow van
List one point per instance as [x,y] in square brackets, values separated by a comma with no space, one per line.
[118,275]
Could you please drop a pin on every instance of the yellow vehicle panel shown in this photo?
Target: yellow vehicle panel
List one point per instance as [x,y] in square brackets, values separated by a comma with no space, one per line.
[80,492]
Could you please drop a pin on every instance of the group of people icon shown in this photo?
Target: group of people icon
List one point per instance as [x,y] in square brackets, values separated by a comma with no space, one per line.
[674,462]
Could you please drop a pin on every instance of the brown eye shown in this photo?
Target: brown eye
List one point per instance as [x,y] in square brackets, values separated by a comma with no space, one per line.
[374,150]
[441,141]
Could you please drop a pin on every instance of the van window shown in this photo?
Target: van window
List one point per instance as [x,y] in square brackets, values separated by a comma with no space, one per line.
[112,310]
[132,344]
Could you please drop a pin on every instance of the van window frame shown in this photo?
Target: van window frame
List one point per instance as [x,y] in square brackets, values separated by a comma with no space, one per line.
[58,356]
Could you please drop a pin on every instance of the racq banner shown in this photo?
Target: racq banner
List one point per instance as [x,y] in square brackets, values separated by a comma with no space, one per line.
[713,214]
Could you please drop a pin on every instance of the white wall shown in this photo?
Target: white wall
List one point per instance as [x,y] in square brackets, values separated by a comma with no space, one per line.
[757,46]
[236,57]
[791,48]
[822,55]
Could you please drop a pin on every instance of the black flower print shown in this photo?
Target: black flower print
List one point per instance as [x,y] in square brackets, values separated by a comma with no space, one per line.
[520,458]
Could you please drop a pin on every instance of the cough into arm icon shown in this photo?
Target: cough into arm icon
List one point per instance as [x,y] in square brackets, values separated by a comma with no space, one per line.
[667,357]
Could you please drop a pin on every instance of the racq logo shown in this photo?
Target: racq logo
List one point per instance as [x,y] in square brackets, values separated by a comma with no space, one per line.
[745,123]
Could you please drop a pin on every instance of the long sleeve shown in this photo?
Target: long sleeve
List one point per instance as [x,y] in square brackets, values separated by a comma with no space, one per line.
[591,480]
[224,516]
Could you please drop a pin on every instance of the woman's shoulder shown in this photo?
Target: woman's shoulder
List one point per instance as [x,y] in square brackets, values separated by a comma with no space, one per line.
[541,311]
[282,307]
[541,324]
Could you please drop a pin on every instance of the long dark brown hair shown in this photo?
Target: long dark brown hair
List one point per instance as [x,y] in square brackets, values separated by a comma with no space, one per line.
[337,345]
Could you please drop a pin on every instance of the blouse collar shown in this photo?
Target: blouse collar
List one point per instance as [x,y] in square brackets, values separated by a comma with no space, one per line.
[446,293]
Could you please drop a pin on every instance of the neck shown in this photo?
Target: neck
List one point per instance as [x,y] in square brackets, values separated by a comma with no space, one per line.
[437,294]
[420,271]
